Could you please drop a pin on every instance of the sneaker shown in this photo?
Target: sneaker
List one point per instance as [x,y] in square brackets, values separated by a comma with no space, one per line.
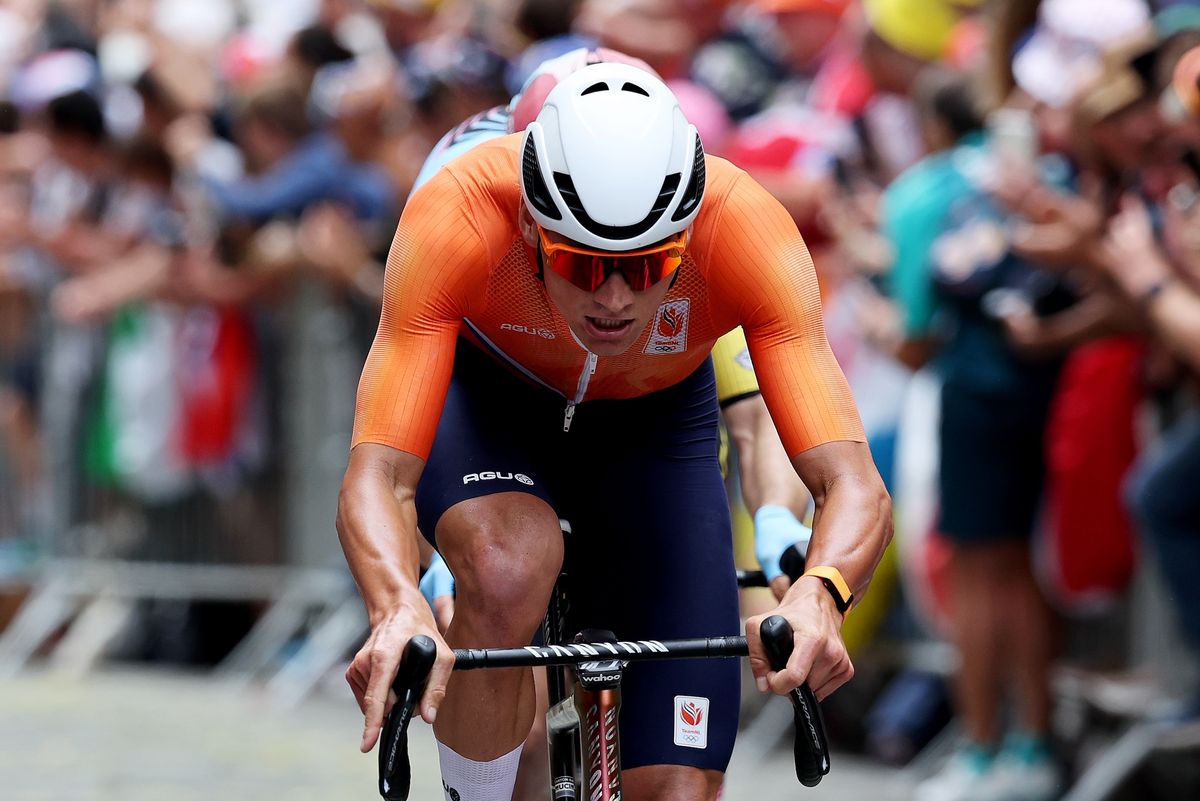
[1178,725]
[961,779]
[1025,770]
[1178,712]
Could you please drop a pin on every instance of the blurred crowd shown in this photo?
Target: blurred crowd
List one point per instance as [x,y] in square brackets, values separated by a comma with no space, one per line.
[1000,199]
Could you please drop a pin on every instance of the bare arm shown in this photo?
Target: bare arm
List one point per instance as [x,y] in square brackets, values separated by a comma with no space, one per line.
[770,485]
[1096,315]
[775,289]
[767,476]
[852,525]
[139,275]
[1142,270]
[377,527]
[1175,314]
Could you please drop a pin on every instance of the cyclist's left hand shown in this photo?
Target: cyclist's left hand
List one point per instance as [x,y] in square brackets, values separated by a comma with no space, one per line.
[819,657]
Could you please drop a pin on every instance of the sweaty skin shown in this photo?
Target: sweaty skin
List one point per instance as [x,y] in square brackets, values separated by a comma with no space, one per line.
[460,266]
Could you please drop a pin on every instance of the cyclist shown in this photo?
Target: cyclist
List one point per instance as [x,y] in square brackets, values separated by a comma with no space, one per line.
[551,301]
[773,494]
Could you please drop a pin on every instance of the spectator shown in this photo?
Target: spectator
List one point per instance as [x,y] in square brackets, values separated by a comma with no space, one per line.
[1163,283]
[993,412]
[293,165]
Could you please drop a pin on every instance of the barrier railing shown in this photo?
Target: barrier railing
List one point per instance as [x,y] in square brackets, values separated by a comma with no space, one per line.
[121,520]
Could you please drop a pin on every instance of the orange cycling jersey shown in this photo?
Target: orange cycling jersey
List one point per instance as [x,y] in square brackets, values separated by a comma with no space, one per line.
[459,265]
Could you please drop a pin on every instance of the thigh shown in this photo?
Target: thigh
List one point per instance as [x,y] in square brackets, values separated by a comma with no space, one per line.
[652,558]
[490,440]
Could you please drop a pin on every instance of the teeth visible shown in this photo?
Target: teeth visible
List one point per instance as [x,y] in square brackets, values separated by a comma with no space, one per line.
[611,325]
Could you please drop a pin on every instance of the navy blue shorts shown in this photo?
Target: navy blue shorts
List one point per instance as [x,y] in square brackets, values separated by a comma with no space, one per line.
[650,553]
[992,465]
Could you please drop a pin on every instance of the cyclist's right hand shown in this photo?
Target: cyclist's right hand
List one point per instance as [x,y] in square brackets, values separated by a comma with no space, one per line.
[373,668]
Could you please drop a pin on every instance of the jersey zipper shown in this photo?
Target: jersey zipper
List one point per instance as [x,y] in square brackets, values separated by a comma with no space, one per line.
[589,367]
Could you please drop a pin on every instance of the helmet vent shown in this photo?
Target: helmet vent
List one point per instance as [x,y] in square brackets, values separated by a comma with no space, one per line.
[566,188]
[596,87]
[535,186]
[633,87]
[695,186]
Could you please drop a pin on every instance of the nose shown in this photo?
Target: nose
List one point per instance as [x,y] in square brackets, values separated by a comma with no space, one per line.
[614,295]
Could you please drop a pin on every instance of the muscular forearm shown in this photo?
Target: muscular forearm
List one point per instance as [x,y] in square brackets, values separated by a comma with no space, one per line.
[377,526]
[853,521]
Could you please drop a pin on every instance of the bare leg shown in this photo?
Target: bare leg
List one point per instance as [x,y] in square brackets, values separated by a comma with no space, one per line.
[671,783]
[505,551]
[977,633]
[533,775]
[1029,641]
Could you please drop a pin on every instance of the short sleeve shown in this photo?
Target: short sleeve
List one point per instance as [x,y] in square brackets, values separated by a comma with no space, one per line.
[437,260]
[762,273]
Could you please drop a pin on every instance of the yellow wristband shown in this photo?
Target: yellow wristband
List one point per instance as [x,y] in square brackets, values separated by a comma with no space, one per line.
[837,586]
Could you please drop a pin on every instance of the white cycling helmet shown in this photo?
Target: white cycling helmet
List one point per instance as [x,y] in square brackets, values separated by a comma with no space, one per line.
[611,162]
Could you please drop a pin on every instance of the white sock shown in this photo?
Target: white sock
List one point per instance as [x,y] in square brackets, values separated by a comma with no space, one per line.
[467,780]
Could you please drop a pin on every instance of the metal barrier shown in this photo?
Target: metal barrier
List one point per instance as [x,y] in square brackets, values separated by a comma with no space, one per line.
[256,527]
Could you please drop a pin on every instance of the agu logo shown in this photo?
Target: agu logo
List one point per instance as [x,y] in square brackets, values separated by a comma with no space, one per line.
[691,721]
[497,475]
[544,333]
[670,329]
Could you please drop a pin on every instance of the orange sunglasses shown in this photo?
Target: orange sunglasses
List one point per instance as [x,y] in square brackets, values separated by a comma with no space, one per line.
[589,269]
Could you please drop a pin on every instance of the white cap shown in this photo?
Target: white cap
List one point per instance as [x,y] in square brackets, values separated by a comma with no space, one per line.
[1066,49]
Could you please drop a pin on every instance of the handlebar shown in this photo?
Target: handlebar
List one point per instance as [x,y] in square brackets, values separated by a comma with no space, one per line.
[791,562]
[395,773]
[811,751]
[811,747]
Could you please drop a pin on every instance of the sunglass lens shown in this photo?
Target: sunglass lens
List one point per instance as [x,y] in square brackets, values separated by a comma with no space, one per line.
[589,272]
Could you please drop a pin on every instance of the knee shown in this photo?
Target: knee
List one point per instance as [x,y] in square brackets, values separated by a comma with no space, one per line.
[505,552]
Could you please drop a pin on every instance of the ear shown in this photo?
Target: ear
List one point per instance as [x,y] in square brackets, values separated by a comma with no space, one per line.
[527,227]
